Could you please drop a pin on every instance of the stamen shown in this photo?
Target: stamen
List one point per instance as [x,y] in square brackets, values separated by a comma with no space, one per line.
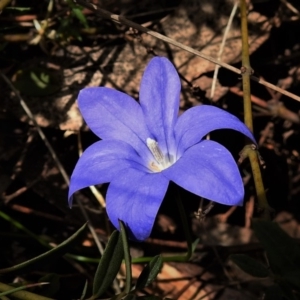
[154,167]
[153,146]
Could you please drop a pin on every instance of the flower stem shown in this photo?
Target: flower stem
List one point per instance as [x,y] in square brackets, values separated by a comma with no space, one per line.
[246,72]
[259,186]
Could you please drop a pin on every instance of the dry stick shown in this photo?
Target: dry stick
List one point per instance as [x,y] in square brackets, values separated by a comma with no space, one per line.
[252,154]
[121,20]
[213,86]
[291,7]
[54,157]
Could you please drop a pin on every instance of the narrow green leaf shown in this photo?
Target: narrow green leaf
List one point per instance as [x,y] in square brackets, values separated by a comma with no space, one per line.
[194,244]
[283,251]
[150,272]
[41,81]
[58,251]
[80,16]
[18,8]
[84,290]
[77,11]
[250,265]
[24,287]
[18,225]
[109,264]
[38,81]
[126,257]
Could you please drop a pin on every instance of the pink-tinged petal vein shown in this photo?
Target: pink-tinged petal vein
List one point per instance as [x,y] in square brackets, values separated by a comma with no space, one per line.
[102,162]
[208,170]
[159,98]
[198,121]
[135,197]
[111,114]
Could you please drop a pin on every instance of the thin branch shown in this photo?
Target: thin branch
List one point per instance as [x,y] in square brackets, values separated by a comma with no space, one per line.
[15,194]
[246,68]
[121,20]
[251,153]
[291,7]
[213,86]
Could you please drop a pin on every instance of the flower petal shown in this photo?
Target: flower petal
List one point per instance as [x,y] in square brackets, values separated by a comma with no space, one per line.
[159,98]
[102,162]
[135,197]
[198,121]
[114,115]
[208,169]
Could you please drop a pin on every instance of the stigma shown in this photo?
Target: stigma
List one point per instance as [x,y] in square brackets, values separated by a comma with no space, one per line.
[160,160]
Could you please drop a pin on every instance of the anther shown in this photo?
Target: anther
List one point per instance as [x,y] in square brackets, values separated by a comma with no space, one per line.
[153,147]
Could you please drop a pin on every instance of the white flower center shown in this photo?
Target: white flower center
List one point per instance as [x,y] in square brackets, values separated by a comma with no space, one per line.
[160,161]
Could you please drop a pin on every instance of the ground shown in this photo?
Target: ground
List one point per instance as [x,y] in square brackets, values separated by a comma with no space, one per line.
[70,53]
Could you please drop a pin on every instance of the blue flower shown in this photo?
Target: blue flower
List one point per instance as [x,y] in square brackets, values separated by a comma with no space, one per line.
[146,145]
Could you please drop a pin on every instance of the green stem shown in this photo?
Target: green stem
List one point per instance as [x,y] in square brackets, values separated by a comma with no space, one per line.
[22,295]
[127,258]
[246,68]
[259,186]
[246,73]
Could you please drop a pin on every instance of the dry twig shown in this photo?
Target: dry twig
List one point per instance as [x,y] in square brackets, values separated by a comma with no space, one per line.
[121,20]
[213,86]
